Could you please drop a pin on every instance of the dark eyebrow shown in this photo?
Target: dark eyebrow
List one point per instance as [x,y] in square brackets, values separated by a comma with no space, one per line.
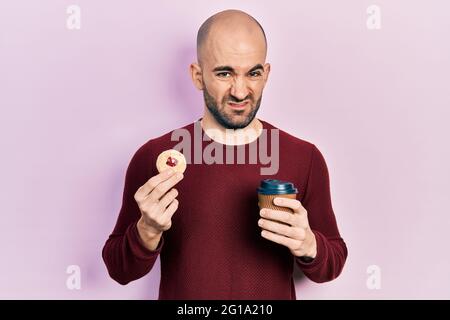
[258,66]
[230,69]
[223,68]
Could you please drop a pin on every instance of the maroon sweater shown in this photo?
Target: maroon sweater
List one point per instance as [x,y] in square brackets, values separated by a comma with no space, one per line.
[214,249]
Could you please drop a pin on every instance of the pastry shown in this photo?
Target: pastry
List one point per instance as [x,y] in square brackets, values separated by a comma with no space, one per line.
[171,159]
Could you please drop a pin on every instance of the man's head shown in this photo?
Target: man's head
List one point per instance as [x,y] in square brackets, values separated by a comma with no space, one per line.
[231,68]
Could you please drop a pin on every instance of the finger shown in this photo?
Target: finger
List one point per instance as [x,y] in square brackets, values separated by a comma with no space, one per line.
[163,219]
[161,189]
[287,242]
[167,199]
[168,213]
[289,203]
[277,215]
[151,184]
[280,228]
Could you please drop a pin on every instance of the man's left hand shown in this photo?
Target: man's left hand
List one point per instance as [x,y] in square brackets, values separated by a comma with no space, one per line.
[289,229]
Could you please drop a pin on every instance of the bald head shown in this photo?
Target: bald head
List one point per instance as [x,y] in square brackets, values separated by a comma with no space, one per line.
[229,25]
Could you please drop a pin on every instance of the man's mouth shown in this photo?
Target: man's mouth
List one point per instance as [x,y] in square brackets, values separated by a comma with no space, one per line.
[238,106]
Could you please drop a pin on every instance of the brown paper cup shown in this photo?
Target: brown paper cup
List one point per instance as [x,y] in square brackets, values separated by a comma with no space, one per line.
[266,201]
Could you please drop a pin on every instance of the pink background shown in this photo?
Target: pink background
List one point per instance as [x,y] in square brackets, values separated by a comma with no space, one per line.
[76,105]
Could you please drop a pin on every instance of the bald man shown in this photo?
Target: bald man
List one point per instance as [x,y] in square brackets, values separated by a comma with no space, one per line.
[205,224]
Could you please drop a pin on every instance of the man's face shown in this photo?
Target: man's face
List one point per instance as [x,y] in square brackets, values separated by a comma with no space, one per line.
[229,112]
[234,76]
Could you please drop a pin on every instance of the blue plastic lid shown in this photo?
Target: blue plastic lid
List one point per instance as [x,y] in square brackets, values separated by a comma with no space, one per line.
[273,186]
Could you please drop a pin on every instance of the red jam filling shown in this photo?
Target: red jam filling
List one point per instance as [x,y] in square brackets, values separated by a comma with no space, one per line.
[171,162]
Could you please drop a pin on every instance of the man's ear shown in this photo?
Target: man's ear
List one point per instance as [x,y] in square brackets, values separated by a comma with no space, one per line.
[266,72]
[196,75]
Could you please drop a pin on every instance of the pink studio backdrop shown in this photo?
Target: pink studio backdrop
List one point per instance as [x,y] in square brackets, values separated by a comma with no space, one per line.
[76,105]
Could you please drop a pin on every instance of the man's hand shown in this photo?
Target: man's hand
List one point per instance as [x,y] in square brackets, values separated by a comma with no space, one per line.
[289,229]
[157,205]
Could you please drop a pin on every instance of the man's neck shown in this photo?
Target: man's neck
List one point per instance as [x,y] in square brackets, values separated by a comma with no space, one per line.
[220,134]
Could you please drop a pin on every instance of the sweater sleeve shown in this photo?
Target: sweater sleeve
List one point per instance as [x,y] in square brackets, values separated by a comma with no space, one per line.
[331,249]
[125,256]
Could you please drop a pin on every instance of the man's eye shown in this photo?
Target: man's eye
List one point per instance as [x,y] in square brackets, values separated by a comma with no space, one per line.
[255,74]
[223,74]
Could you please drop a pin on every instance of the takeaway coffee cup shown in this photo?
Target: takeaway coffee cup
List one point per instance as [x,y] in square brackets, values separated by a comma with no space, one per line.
[270,189]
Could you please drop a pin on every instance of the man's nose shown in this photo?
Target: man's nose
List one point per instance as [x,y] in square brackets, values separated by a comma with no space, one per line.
[239,88]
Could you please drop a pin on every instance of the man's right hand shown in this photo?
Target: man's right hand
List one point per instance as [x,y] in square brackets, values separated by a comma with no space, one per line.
[157,202]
